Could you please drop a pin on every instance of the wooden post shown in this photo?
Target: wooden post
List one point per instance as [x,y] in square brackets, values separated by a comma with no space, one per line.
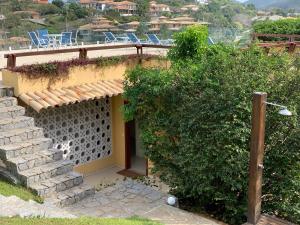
[139,50]
[253,37]
[256,156]
[292,47]
[11,61]
[82,53]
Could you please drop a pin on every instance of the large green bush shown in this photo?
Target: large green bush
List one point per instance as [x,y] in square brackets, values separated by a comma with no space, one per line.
[284,26]
[195,121]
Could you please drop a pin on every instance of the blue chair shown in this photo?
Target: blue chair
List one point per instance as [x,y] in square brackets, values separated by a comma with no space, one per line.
[66,39]
[155,40]
[74,37]
[111,38]
[43,35]
[134,39]
[35,41]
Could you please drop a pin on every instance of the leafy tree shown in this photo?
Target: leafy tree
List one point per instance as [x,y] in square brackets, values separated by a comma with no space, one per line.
[195,125]
[47,9]
[143,9]
[189,42]
[15,5]
[58,3]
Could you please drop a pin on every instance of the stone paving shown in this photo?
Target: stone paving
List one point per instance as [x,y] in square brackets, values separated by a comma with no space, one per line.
[132,198]
[14,206]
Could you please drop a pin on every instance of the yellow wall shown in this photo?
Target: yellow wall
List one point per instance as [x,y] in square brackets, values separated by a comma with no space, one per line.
[77,75]
[117,158]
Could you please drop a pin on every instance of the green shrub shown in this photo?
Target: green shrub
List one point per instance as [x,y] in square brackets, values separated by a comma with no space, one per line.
[190,41]
[195,121]
[284,26]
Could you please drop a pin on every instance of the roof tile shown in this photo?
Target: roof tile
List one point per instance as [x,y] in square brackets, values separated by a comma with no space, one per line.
[48,98]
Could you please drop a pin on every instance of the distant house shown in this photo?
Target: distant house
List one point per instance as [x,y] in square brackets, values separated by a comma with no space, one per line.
[125,8]
[96,28]
[155,25]
[202,2]
[88,3]
[191,7]
[131,26]
[41,1]
[157,9]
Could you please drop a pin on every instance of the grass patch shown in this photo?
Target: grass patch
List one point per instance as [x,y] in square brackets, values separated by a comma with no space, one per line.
[79,221]
[8,189]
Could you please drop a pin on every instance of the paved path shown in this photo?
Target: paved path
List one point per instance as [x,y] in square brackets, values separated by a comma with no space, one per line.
[131,198]
[14,206]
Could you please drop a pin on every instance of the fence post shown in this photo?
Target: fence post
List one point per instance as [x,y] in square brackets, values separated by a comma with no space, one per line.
[266,49]
[253,37]
[292,47]
[139,50]
[11,61]
[256,156]
[82,53]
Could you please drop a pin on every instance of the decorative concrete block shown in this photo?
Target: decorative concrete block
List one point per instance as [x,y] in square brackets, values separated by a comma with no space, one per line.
[81,131]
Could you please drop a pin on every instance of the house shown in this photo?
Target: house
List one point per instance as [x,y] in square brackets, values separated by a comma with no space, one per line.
[81,115]
[41,1]
[174,24]
[125,8]
[104,5]
[193,8]
[88,3]
[202,2]
[131,26]
[158,9]
[95,29]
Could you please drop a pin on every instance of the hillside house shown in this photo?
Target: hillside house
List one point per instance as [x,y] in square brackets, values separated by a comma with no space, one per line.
[158,9]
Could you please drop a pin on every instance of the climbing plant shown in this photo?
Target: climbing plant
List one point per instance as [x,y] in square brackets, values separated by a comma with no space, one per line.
[195,124]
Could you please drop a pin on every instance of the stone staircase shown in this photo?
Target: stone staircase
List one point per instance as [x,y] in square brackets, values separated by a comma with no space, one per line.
[29,156]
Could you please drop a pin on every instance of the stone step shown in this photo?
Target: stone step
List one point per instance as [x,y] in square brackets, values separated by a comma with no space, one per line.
[8,101]
[71,196]
[12,111]
[26,147]
[57,184]
[40,173]
[35,159]
[16,123]
[20,135]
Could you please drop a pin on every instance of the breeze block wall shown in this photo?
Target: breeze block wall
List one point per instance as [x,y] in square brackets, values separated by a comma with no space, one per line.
[83,131]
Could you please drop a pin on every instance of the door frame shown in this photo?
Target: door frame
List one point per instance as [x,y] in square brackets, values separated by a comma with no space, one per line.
[128,144]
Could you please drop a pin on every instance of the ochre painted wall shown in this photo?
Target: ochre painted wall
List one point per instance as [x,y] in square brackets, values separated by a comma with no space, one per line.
[118,142]
[77,76]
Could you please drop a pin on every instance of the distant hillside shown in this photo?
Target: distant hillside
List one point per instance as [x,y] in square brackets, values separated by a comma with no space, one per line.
[285,4]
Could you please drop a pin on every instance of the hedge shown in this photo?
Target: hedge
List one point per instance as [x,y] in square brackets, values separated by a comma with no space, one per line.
[195,123]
